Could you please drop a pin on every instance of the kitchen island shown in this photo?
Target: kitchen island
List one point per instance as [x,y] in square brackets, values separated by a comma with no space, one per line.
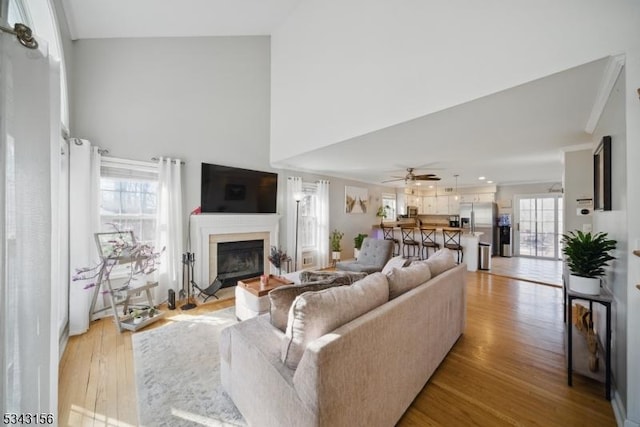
[468,241]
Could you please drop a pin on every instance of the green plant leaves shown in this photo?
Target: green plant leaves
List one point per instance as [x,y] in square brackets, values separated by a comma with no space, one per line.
[587,254]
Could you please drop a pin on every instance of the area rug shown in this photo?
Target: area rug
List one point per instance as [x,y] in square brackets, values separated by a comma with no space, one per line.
[177,373]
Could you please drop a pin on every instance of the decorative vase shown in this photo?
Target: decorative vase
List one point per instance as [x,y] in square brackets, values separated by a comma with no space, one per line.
[356,253]
[335,255]
[585,285]
[137,320]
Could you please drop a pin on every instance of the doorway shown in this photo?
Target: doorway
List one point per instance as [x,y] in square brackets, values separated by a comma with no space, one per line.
[538,226]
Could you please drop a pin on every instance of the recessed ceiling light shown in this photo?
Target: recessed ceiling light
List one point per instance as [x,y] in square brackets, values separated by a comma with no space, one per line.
[481,178]
[431,186]
[489,182]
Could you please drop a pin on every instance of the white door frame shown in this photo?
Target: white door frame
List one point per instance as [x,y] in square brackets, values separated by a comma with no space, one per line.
[557,222]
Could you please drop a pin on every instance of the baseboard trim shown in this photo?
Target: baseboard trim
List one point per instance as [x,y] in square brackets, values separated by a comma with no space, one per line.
[620,413]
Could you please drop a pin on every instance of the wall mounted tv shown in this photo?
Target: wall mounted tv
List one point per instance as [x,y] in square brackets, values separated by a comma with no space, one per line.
[233,190]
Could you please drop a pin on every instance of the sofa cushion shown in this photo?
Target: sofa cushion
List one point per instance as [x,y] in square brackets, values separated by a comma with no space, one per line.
[341,277]
[395,262]
[402,280]
[441,261]
[314,314]
[282,297]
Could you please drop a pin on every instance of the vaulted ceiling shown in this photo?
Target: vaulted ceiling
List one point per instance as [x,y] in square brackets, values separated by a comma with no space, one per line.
[514,136]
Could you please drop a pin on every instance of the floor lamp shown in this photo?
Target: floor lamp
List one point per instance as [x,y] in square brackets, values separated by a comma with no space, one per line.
[297,197]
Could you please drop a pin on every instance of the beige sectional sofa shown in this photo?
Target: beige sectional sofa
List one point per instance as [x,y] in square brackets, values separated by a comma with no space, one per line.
[350,356]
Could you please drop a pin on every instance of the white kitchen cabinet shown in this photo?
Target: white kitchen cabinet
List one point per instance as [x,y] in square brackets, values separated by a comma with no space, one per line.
[486,197]
[415,201]
[477,198]
[429,205]
[442,205]
[454,205]
[401,203]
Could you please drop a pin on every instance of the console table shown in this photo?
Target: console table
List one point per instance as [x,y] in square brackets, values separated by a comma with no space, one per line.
[604,298]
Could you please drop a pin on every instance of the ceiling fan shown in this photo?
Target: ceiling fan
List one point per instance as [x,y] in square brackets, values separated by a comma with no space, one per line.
[410,177]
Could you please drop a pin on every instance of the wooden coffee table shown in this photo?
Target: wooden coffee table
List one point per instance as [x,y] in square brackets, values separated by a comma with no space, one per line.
[252,297]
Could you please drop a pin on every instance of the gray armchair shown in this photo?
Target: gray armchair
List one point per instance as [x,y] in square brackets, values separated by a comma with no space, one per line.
[374,254]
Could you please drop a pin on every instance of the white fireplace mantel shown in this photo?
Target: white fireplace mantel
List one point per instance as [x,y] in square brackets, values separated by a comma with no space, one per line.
[205,225]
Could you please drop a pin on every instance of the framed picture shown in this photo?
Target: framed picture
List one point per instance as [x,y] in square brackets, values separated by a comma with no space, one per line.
[602,175]
[356,199]
[107,242]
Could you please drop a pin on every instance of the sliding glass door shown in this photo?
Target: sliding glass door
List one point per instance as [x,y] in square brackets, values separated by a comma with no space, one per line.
[538,226]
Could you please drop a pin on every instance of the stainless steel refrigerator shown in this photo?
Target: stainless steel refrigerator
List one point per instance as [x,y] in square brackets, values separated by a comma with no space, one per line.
[481,217]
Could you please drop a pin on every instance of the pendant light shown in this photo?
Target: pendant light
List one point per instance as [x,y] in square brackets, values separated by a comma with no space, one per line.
[456,176]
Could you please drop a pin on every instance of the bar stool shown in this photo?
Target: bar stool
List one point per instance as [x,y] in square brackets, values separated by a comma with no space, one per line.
[428,241]
[409,243]
[452,241]
[387,233]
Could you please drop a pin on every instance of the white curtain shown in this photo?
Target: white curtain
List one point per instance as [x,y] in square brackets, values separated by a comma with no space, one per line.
[29,103]
[169,227]
[84,217]
[294,187]
[322,216]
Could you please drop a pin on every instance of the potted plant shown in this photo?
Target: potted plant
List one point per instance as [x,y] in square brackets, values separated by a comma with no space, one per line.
[278,257]
[357,244]
[137,316]
[587,255]
[335,238]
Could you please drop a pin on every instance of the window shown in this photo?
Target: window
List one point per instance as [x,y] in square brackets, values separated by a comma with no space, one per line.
[308,225]
[389,202]
[16,13]
[128,197]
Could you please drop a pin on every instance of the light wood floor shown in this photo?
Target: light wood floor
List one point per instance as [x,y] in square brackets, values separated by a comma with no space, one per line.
[539,270]
[507,369]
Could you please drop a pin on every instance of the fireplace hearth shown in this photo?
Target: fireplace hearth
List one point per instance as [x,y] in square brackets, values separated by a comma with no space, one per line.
[240,260]
[208,231]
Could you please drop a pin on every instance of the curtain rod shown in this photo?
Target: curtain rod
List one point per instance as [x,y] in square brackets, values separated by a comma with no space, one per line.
[24,35]
[155,159]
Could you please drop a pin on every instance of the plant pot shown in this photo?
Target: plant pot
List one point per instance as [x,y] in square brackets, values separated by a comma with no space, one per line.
[137,320]
[356,253]
[585,285]
[335,255]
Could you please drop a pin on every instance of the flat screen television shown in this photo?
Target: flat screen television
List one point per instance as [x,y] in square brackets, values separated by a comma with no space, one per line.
[227,189]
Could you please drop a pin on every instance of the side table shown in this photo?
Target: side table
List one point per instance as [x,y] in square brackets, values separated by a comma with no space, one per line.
[604,298]
[252,299]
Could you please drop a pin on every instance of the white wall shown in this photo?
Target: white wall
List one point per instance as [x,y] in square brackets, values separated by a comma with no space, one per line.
[342,69]
[614,222]
[578,184]
[632,108]
[506,194]
[350,224]
[200,99]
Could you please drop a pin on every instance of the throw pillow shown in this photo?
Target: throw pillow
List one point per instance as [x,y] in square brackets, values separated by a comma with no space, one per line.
[314,314]
[402,280]
[395,262]
[343,277]
[282,297]
[441,261]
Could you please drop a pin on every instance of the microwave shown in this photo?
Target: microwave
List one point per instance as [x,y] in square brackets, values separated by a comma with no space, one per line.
[412,211]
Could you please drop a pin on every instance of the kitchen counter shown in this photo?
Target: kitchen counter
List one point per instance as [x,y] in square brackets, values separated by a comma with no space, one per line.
[468,241]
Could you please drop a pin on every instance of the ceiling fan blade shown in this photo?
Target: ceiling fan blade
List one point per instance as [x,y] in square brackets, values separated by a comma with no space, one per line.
[428,177]
[392,180]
